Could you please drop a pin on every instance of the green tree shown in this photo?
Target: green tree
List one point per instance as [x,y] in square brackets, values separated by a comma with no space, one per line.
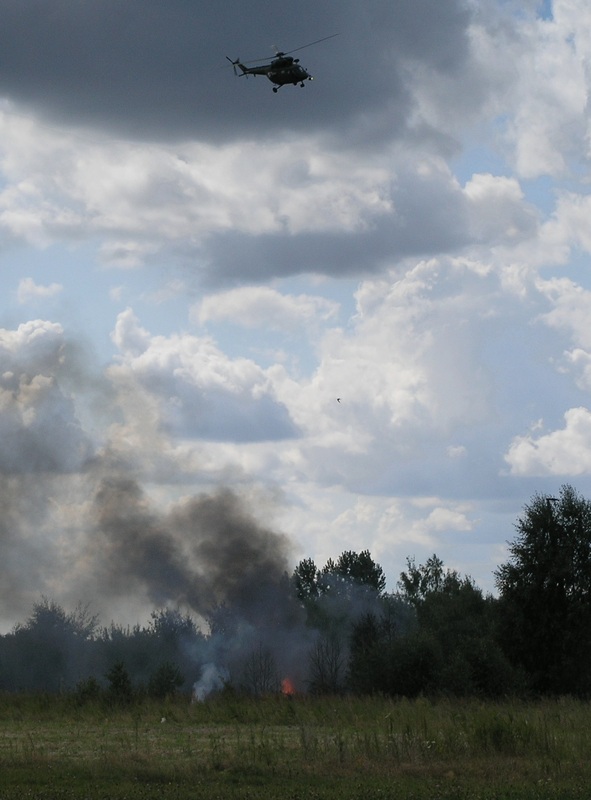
[350,569]
[459,622]
[427,579]
[356,568]
[120,691]
[305,580]
[375,645]
[545,593]
[51,649]
[336,595]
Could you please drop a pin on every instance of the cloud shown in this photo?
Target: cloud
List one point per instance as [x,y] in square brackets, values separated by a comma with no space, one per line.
[561,452]
[262,306]
[550,90]
[249,212]
[571,306]
[156,71]
[196,390]
[430,213]
[28,291]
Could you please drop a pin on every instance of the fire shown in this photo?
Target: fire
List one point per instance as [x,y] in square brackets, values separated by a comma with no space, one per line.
[287,687]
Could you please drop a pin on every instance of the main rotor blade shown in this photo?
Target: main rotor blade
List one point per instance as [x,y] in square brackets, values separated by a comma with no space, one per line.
[324,38]
[279,53]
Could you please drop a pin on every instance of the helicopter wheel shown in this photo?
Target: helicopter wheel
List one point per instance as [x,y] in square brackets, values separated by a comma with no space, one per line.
[275,89]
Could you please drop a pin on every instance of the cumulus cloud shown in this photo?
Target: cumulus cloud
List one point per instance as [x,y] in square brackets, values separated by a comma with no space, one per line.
[570,308]
[250,211]
[199,391]
[551,88]
[29,291]
[562,452]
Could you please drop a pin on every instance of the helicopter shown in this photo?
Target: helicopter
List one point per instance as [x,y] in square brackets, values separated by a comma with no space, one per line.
[282,70]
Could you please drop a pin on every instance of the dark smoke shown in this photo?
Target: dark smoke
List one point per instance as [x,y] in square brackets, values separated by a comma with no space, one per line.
[206,552]
[210,555]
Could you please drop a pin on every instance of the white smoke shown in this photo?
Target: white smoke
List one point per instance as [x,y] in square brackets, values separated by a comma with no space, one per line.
[213,678]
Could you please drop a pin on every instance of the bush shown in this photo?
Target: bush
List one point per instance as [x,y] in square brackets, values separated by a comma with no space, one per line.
[165,681]
[87,691]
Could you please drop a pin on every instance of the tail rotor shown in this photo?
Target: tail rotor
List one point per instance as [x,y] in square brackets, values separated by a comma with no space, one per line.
[233,63]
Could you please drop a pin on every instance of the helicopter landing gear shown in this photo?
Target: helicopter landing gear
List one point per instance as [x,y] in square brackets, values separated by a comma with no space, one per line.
[275,89]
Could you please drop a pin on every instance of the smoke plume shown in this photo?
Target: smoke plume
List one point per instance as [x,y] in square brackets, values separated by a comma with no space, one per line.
[206,552]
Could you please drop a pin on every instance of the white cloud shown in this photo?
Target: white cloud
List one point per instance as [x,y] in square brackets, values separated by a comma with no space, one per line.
[198,391]
[570,313]
[263,306]
[550,90]
[401,361]
[36,345]
[497,209]
[561,452]
[259,208]
[140,197]
[29,291]
[569,223]
[571,308]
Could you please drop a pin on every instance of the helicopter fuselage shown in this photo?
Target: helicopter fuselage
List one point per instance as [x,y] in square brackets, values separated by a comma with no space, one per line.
[287,70]
[281,71]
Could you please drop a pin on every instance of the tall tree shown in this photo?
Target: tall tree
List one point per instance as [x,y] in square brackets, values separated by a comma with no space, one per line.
[359,568]
[545,593]
[419,583]
[305,580]
[457,623]
[350,569]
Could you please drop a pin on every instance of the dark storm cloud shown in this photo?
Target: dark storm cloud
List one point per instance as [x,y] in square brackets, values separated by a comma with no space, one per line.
[157,69]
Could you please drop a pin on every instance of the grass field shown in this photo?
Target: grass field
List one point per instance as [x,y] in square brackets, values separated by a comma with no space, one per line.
[297,747]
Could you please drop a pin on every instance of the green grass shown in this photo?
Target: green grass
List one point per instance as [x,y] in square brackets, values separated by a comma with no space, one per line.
[301,747]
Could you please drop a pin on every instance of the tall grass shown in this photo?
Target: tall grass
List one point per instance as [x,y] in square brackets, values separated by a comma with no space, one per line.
[457,748]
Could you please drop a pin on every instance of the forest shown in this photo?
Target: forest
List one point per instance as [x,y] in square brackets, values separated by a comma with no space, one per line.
[334,629]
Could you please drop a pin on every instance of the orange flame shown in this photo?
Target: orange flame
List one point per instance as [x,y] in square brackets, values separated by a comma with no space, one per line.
[287,687]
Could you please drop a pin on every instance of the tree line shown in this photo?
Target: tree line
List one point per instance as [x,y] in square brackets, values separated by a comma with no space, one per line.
[436,633]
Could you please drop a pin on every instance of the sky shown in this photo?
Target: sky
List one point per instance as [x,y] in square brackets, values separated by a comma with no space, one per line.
[347,316]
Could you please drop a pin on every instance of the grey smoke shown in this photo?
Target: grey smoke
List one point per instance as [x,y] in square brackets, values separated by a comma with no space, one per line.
[207,551]
[210,554]
[213,678]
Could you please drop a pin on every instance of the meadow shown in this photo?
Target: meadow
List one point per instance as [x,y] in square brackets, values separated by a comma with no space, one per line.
[293,747]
